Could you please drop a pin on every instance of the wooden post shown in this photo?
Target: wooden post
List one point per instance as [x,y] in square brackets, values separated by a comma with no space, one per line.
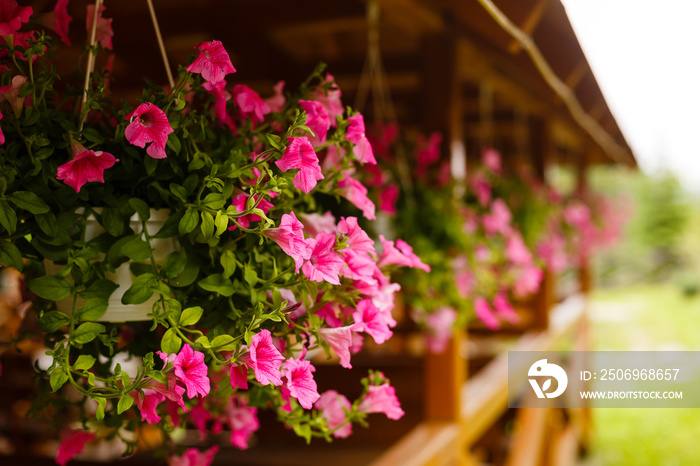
[585,278]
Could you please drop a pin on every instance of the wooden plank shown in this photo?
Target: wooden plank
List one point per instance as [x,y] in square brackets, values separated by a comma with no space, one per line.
[530,24]
[565,448]
[444,376]
[528,443]
[431,442]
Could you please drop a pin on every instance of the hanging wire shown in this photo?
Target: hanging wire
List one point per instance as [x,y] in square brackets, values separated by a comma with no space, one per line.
[161,45]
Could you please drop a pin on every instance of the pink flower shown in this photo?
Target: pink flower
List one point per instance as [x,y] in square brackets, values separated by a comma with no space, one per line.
[264,358]
[553,250]
[316,119]
[359,266]
[199,415]
[104,26]
[382,399]
[498,220]
[368,318]
[149,123]
[503,307]
[382,136]
[63,19]
[243,421]
[340,339]
[213,62]
[294,309]
[427,151]
[401,255]
[12,16]
[578,215]
[290,237]
[464,281]
[239,376]
[440,324]
[86,166]
[192,457]
[333,407]
[516,250]
[74,441]
[2,135]
[277,101]
[407,251]
[172,391]
[387,199]
[240,202]
[324,263]
[300,154]
[481,188]
[484,312]
[356,193]
[221,96]
[356,238]
[249,103]
[330,99]
[21,39]
[11,91]
[491,159]
[356,135]
[315,223]
[528,280]
[191,370]
[148,403]
[300,381]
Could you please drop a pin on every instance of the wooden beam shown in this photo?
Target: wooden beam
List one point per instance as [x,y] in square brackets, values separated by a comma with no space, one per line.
[429,443]
[577,74]
[530,24]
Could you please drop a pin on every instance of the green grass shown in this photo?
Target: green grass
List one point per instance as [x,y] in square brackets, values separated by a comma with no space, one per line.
[648,317]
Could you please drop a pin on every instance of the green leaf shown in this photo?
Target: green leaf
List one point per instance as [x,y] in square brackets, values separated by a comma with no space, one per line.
[140,290]
[228,262]
[169,228]
[216,283]
[58,378]
[214,201]
[223,343]
[170,343]
[174,142]
[93,135]
[191,316]
[87,332]
[250,275]
[203,341]
[10,256]
[178,191]
[207,225]
[140,207]
[52,321]
[101,404]
[275,141]
[174,263]
[189,221]
[94,309]
[84,362]
[157,375]
[125,403]
[47,223]
[29,201]
[8,217]
[50,287]
[101,289]
[189,275]
[135,249]
[112,221]
[221,223]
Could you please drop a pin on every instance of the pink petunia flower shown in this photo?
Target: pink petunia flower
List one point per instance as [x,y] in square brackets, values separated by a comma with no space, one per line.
[484,312]
[528,280]
[249,103]
[12,16]
[242,420]
[440,324]
[578,215]
[72,443]
[316,119]
[369,319]
[63,20]
[290,237]
[481,188]
[516,250]
[340,339]
[358,266]
[264,358]
[148,123]
[213,62]
[277,101]
[193,457]
[20,39]
[382,136]
[294,309]
[356,238]
[191,370]
[407,251]
[315,223]
[324,263]
[553,250]
[199,416]
[2,135]
[402,255]
[356,135]
[104,31]
[382,399]
[240,202]
[333,408]
[504,308]
[356,193]
[300,154]
[427,151]
[148,403]
[330,99]
[11,93]
[239,376]
[300,381]
[387,199]
[86,166]
[221,96]
[498,220]
[492,160]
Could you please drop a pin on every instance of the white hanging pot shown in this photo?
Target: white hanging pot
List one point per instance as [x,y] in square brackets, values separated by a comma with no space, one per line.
[122,276]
